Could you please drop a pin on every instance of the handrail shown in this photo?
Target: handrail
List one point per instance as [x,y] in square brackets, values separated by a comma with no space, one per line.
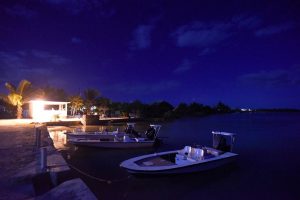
[157,129]
[223,133]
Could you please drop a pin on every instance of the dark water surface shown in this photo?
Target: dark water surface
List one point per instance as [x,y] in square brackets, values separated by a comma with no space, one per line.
[268,167]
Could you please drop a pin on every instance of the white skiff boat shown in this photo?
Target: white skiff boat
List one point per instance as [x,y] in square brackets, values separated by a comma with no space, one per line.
[93,135]
[99,135]
[121,140]
[185,160]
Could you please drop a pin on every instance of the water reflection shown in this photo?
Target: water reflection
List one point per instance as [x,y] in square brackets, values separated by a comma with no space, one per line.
[59,138]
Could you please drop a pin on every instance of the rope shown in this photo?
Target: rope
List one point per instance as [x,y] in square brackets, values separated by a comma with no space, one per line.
[96,178]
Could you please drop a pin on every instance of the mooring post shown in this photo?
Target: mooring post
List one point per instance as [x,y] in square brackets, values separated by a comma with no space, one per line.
[43,158]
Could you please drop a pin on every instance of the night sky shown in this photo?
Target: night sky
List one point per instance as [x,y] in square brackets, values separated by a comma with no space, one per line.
[243,53]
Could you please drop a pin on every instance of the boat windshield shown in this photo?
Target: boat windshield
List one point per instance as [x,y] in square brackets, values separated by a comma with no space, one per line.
[220,140]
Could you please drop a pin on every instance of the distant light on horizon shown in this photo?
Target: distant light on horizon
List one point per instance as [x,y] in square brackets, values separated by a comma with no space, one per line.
[246,109]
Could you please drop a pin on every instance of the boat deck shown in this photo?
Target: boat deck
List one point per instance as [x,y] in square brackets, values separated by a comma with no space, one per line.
[168,160]
[164,160]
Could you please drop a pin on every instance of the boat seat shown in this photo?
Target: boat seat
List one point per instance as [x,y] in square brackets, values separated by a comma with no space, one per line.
[185,151]
[192,154]
[140,139]
[196,154]
[213,151]
[118,138]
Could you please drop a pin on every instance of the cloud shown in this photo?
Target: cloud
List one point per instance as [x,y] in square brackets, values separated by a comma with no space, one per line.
[207,35]
[11,60]
[55,59]
[198,34]
[273,78]
[246,21]
[33,65]
[144,88]
[183,67]
[274,29]
[76,40]
[20,11]
[15,67]
[141,37]
[76,7]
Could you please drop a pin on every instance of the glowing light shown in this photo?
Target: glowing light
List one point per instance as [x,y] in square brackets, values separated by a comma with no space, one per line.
[246,110]
[37,111]
[54,112]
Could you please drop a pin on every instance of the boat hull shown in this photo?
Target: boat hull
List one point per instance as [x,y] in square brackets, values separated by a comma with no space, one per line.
[93,136]
[112,144]
[209,164]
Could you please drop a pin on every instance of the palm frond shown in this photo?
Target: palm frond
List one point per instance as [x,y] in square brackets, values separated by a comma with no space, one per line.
[22,86]
[10,87]
[15,99]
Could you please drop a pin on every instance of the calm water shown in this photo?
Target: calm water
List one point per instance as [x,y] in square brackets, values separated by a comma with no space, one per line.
[268,167]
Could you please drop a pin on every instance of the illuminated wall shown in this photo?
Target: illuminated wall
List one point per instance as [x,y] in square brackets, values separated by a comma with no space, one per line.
[47,111]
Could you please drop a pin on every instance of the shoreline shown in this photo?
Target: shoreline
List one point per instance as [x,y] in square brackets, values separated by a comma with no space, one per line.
[20,174]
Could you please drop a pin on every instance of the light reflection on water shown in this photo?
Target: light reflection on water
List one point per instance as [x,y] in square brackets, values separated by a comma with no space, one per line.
[59,138]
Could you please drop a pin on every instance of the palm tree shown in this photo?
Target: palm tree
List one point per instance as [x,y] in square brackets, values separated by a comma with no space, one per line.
[19,95]
[90,98]
[102,104]
[76,104]
[15,96]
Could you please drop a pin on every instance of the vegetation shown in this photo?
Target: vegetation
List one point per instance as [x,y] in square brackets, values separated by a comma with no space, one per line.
[92,103]
[222,108]
[102,105]
[76,104]
[17,96]
[7,111]
[91,96]
[163,110]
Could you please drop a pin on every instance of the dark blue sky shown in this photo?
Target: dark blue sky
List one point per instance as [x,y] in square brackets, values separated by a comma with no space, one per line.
[243,53]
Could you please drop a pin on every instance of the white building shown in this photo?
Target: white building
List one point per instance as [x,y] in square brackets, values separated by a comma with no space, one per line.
[46,111]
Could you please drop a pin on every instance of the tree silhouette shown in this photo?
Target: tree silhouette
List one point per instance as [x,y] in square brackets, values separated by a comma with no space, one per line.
[76,103]
[90,96]
[20,95]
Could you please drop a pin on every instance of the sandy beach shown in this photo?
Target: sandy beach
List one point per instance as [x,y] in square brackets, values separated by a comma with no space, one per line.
[17,149]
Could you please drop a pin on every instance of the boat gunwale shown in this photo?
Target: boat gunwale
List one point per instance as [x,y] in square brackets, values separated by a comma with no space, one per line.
[87,141]
[92,133]
[131,165]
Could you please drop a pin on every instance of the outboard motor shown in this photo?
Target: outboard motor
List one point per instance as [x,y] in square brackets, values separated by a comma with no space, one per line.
[150,133]
[130,130]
